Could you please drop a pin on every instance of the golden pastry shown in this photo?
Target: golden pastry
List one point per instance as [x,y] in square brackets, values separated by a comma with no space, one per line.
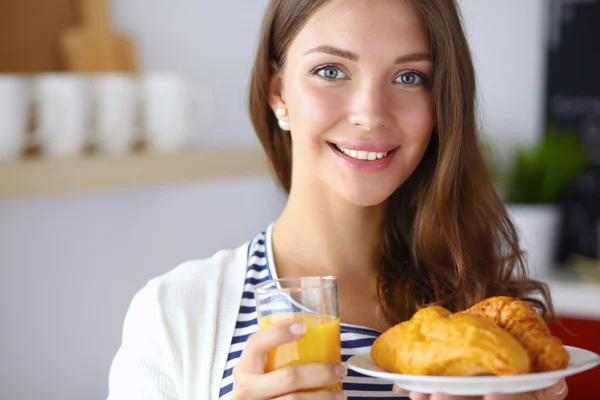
[436,342]
[522,321]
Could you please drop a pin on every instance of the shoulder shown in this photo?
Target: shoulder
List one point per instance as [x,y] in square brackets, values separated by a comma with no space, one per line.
[171,318]
[172,307]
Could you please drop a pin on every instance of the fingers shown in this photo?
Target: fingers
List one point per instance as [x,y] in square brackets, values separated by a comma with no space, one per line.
[526,396]
[558,391]
[251,381]
[294,379]
[435,396]
[441,396]
[254,356]
[397,389]
[323,395]
[418,396]
[411,395]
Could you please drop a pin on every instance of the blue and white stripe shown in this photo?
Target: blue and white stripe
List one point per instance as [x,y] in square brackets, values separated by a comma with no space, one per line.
[355,340]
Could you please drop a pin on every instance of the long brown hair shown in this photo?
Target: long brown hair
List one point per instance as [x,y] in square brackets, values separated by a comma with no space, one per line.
[448,239]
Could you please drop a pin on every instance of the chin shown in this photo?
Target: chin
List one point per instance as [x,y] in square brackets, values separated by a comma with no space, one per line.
[365,196]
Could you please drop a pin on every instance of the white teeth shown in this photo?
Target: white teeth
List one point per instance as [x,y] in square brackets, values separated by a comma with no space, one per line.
[361,154]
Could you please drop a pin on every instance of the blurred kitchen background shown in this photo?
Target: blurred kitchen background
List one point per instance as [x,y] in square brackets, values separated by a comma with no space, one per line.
[126,148]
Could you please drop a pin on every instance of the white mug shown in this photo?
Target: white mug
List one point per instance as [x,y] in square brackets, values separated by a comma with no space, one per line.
[115,100]
[63,114]
[14,115]
[173,109]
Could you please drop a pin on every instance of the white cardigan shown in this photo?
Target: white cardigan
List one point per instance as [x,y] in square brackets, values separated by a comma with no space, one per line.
[178,330]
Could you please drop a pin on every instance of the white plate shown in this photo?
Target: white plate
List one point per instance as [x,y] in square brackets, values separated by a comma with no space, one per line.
[581,360]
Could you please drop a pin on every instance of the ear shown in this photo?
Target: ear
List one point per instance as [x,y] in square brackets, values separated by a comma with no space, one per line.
[276,98]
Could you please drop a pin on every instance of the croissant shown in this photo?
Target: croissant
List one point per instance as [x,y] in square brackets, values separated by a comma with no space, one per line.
[436,342]
[522,321]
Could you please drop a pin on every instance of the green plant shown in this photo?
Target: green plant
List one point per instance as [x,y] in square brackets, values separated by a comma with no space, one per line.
[542,172]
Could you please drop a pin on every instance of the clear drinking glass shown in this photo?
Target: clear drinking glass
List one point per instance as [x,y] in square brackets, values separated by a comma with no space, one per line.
[312,301]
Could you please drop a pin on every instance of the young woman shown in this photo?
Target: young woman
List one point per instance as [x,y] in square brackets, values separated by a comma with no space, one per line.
[365,109]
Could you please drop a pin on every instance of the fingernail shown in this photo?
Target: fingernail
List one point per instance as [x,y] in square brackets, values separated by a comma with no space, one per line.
[395,389]
[340,371]
[563,390]
[340,395]
[298,329]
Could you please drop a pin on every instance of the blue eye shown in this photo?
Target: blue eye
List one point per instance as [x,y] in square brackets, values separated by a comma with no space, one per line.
[331,72]
[411,78]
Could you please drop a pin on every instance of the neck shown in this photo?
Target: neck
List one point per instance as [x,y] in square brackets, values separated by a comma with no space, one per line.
[320,233]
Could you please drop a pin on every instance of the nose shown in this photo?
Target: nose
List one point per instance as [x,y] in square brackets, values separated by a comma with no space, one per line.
[370,109]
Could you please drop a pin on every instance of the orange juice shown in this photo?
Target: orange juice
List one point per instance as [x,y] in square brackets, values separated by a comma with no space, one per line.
[320,344]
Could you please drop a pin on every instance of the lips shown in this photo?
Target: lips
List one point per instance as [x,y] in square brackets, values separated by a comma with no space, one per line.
[375,147]
[361,154]
[364,157]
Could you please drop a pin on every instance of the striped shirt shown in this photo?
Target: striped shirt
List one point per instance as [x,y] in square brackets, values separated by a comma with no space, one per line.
[354,339]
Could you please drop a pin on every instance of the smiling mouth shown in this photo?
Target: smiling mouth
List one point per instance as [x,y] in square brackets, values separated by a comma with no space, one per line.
[360,154]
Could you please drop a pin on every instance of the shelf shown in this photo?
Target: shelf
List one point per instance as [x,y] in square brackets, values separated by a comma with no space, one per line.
[38,176]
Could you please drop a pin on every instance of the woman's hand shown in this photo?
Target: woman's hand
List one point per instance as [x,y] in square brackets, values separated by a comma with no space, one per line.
[557,392]
[250,382]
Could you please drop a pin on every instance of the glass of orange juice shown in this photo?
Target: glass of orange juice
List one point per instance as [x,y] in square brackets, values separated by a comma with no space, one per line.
[312,301]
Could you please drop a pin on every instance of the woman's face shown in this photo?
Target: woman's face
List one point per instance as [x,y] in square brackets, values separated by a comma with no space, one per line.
[356,87]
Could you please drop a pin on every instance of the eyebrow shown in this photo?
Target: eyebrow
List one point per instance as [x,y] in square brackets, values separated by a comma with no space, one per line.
[334,51]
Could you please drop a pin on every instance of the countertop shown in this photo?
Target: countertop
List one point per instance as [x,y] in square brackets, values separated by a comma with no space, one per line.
[573,297]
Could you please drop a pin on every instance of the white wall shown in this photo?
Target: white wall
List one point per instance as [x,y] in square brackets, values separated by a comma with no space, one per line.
[70,265]
[508,41]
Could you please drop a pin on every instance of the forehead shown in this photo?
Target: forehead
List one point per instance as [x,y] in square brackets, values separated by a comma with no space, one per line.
[368,27]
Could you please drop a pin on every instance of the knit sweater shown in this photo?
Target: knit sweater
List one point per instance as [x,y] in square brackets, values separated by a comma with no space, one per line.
[184,318]
[184,331]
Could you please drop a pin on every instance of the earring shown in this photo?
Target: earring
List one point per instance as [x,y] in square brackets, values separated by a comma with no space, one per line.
[284,125]
[281,112]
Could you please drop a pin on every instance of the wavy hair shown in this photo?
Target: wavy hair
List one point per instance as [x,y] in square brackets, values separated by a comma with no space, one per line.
[448,239]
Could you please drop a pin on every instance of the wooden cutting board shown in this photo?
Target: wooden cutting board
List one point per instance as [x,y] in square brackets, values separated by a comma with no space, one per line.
[29,31]
[95,46]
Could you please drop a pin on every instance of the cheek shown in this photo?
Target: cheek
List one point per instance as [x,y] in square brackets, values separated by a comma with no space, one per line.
[415,117]
[313,110]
